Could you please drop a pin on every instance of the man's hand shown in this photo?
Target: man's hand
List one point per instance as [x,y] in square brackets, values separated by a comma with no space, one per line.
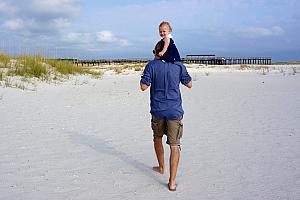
[143,86]
[189,85]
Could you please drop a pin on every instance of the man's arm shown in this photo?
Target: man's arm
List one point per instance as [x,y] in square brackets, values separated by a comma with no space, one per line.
[143,86]
[185,79]
[146,77]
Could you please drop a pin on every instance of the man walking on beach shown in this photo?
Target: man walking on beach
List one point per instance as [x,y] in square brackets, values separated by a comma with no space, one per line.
[166,108]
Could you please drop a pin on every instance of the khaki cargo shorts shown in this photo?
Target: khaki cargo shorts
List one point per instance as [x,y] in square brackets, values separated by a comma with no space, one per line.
[173,129]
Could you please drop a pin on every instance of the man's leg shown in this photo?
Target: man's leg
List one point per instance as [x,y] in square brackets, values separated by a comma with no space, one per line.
[174,160]
[159,150]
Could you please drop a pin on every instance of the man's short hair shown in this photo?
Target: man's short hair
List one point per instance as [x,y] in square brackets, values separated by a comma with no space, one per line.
[158,47]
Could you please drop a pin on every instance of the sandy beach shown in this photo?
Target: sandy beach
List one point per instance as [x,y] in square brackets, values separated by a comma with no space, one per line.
[91,138]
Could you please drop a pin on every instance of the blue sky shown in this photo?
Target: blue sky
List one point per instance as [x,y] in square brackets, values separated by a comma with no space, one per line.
[129,28]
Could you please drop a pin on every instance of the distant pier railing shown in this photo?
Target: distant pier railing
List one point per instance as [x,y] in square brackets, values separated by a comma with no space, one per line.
[213,60]
[200,59]
[106,61]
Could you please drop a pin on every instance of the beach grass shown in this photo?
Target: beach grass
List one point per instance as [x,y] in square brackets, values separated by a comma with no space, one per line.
[139,66]
[69,68]
[137,69]
[244,66]
[118,70]
[28,66]
[95,74]
[17,72]
[4,60]
[134,66]
[65,67]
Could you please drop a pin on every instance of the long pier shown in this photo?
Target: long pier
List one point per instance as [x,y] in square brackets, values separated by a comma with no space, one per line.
[106,61]
[209,59]
[213,60]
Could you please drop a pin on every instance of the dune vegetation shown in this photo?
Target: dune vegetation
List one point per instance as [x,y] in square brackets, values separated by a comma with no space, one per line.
[38,67]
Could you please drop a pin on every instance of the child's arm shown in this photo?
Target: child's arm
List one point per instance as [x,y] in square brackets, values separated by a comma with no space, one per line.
[166,45]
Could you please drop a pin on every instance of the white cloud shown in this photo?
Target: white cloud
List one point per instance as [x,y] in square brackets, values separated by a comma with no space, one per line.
[6,8]
[14,24]
[79,38]
[277,30]
[124,42]
[108,37]
[60,23]
[38,17]
[56,7]
[257,32]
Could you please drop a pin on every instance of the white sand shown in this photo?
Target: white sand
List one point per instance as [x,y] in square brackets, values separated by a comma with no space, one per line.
[91,139]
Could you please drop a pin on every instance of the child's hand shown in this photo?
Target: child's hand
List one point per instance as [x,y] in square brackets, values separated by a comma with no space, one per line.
[160,54]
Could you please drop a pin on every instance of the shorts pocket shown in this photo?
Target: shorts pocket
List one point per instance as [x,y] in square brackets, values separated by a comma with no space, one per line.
[155,127]
[180,130]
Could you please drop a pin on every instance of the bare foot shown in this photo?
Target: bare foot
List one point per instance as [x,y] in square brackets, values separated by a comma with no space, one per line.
[172,187]
[158,169]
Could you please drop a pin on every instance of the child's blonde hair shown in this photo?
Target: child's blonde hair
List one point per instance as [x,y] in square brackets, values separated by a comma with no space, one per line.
[167,24]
